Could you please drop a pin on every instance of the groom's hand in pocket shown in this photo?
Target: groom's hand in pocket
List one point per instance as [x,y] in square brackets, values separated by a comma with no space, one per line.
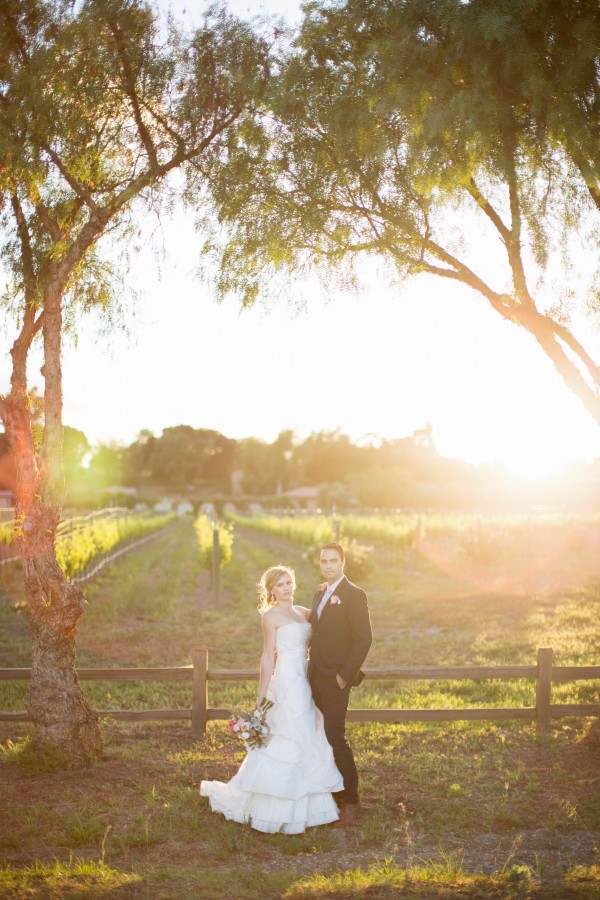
[341,683]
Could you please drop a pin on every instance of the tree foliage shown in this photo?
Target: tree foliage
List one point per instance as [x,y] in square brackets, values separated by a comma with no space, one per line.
[98,108]
[456,139]
[183,456]
[100,102]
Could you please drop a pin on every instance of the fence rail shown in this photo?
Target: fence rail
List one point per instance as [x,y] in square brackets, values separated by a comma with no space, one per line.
[544,674]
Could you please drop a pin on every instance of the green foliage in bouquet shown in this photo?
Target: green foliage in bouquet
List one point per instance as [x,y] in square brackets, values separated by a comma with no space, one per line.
[250,726]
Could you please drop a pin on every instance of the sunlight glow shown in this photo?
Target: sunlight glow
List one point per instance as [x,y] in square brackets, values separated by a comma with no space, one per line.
[385,361]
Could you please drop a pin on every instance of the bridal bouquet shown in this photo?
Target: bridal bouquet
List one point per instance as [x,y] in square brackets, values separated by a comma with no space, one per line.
[250,726]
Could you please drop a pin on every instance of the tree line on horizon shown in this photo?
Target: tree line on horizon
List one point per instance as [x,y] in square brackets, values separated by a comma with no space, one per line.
[400,473]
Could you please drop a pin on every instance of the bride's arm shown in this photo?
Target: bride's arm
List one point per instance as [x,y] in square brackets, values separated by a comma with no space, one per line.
[267,660]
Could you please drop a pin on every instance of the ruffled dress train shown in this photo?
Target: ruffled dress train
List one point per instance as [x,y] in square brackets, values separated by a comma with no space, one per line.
[286,785]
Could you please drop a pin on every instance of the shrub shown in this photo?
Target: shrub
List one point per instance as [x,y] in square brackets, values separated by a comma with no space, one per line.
[359,559]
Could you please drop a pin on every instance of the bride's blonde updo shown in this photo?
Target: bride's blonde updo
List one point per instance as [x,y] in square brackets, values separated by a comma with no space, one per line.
[267,582]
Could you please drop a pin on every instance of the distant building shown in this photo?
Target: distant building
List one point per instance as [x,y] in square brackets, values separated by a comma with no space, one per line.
[306,496]
[117,490]
[237,482]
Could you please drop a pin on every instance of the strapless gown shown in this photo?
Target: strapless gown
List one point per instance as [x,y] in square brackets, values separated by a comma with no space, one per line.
[285,785]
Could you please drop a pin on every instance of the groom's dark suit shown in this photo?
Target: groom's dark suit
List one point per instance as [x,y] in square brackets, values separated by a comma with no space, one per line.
[341,638]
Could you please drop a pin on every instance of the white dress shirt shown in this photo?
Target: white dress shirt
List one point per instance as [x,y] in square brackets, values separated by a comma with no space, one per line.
[329,592]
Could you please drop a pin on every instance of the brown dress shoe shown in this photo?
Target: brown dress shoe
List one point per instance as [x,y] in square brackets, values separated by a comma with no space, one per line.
[349,813]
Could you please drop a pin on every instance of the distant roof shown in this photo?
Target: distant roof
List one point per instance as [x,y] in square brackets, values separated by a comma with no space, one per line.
[117,489]
[308,492]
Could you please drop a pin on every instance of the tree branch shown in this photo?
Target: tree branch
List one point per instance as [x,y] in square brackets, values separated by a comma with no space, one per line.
[76,208]
[26,250]
[101,215]
[563,333]
[31,325]
[37,324]
[129,85]
[145,178]
[51,455]
[586,171]
[513,245]
[52,226]
[500,302]
[542,330]
[595,195]
[489,210]
[163,122]
[75,185]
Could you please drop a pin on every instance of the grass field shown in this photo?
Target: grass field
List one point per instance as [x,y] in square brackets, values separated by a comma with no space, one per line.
[469,810]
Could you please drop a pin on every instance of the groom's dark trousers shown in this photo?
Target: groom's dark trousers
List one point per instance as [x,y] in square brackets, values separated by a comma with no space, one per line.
[341,638]
[333,703]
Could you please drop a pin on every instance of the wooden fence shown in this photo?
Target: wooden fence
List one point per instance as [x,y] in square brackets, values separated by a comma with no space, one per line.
[545,673]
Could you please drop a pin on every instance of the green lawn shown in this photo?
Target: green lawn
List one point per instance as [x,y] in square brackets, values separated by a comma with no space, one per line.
[464,809]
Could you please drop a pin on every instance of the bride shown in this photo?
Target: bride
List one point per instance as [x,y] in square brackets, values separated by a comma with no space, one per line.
[285,785]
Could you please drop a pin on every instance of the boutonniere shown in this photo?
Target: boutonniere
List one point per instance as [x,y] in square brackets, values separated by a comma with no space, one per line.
[335,600]
[323,586]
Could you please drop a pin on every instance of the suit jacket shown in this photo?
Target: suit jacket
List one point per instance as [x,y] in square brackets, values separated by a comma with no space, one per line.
[341,638]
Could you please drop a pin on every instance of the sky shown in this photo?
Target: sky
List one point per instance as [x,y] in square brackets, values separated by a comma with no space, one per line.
[381,362]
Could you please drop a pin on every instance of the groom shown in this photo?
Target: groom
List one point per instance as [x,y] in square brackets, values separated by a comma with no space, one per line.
[341,637]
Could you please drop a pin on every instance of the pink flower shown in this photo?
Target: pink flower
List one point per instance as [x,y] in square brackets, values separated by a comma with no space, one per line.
[335,599]
[323,586]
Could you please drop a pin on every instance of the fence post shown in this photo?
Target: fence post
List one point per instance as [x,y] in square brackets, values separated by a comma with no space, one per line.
[337,526]
[545,657]
[416,548]
[216,563]
[199,692]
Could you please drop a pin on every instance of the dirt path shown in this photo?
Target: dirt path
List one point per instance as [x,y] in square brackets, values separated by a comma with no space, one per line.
[279,551]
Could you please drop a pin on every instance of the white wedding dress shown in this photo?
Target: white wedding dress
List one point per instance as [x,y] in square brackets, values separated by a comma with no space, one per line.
[285,785]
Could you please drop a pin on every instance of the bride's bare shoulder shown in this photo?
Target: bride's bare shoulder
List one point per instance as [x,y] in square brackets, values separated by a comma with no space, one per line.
[304,610]
[269,627]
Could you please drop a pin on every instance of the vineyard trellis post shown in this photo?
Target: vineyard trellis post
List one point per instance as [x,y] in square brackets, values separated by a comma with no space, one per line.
[543,686]
[417,545]
[216,563]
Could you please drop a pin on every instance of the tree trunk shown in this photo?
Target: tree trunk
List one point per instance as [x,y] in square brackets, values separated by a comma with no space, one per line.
[62,717]
[63,720]
[587,393]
